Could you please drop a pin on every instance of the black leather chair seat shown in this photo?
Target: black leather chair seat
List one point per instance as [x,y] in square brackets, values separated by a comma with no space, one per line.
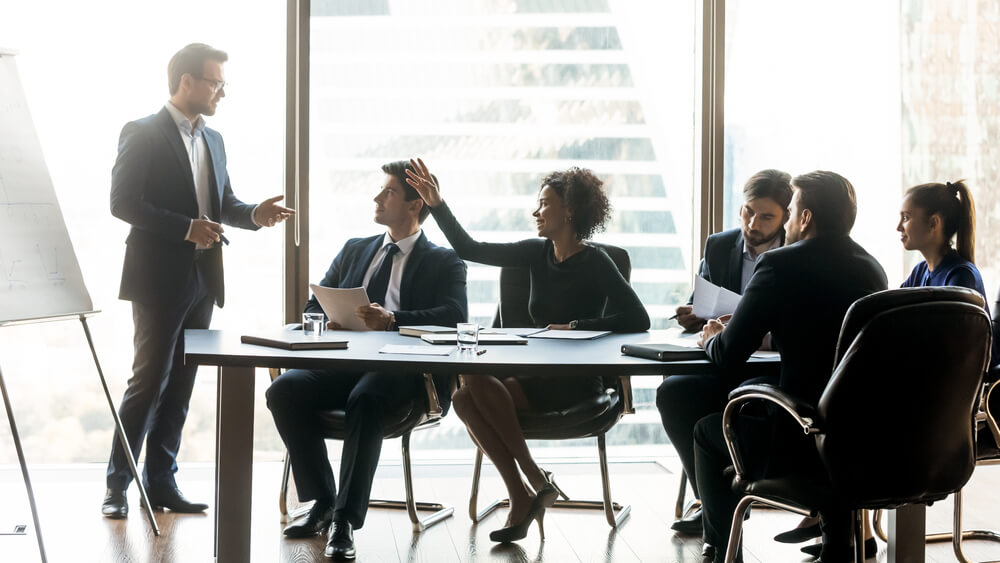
[805,491]
[585,419]
[397,422]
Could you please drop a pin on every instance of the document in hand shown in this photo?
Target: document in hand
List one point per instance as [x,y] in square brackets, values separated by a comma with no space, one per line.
[712,301]
[340,304]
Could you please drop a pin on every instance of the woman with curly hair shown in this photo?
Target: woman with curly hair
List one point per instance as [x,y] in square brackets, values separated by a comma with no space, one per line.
[571,281]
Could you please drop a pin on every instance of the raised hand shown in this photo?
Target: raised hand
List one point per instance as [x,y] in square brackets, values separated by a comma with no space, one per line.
[420,179]
[269,213]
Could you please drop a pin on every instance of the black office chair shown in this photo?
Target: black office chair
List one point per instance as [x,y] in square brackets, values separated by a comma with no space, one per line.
[590,418]
[882,366]
[424,412]
[987,453]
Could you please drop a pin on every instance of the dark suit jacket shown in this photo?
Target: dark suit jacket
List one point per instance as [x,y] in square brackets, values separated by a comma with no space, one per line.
[432,291]
[152,189]
[723,260]
[800,293]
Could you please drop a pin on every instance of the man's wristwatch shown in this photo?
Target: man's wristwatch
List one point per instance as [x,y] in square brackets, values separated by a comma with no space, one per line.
[573,324]
[392,321]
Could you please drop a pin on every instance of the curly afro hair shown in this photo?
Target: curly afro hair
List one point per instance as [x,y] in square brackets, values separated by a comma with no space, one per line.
[583,193]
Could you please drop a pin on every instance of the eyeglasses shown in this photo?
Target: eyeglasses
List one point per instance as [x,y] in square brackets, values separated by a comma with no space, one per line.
[216,84]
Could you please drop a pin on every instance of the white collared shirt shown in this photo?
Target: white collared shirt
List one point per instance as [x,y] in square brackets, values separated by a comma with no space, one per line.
[398,263]
[750,261]
[192,134]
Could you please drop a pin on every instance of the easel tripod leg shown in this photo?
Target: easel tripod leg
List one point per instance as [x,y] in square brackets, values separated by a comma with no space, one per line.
[121,432]
[24,468]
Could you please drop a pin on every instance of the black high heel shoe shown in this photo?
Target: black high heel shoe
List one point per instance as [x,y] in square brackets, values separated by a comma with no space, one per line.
[520,530]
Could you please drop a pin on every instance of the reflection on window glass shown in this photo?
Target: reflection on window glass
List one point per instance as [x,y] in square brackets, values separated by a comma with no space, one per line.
[951,110]
[801,97]
[493,96]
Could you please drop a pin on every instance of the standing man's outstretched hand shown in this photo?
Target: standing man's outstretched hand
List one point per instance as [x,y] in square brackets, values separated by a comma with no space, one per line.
[268,213]
[425,184]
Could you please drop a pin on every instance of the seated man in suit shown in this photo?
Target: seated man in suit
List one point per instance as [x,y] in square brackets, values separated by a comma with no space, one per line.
[409,281]
[729,262]
[799,293]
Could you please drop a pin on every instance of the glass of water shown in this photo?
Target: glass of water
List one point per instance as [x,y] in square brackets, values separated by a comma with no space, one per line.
[468,337]
[313,324]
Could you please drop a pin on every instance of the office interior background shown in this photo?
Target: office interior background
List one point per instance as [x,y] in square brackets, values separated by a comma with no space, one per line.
[492,94]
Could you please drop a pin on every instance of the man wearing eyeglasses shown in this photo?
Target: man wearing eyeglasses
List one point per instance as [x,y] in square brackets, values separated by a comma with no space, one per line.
[171,185]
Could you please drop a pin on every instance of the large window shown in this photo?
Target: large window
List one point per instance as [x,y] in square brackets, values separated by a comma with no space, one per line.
[890,95]
[815,85]
[494,95]
[88,68]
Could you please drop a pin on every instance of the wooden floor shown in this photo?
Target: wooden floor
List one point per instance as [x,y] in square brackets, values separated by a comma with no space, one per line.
[74,531]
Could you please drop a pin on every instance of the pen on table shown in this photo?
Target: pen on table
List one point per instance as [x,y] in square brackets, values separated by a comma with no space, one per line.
[480,352]
[222,237]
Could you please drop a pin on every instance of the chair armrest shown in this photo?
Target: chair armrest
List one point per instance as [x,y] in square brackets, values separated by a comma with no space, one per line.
[802,412]
[625,388]
[275,372]
[434,410]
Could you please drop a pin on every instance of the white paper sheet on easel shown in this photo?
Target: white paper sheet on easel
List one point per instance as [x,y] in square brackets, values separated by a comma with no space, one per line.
[339,305]
[712,301]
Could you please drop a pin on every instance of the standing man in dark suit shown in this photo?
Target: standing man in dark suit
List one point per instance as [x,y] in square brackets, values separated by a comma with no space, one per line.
[800,294]
[729,261]
[409,281]
[171,185]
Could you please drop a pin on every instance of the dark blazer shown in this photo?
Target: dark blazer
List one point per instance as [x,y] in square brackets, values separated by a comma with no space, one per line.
[152,189]
[800,293]
[432,291]
[722,263]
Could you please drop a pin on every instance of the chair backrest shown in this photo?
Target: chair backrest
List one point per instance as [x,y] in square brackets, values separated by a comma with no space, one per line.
[898,412]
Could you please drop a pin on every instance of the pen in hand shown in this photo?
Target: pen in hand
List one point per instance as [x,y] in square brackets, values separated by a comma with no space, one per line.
[222,237]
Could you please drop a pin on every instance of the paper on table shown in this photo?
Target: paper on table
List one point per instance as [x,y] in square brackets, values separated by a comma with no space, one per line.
[340,304]
[415,350]
[712,301]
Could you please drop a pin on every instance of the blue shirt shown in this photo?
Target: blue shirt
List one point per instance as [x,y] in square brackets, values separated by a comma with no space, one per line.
[952,271]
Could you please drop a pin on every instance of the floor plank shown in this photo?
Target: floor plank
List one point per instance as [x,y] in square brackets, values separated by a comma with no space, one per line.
[69,496]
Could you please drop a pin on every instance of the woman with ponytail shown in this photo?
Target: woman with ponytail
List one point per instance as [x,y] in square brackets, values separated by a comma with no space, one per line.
[931,216]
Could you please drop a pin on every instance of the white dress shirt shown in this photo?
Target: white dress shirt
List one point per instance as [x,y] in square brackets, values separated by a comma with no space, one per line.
[398,263]
[192,134]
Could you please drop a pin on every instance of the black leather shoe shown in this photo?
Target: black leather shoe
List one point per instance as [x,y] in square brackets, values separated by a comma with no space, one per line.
[169,496]
[690,525]
[115,504]
[312,524]
[340,545]
[799,535]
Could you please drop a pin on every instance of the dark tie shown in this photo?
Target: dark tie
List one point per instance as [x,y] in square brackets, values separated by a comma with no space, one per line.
[379,283]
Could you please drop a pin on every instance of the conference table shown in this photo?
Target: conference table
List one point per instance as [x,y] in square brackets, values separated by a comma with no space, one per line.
[569,358]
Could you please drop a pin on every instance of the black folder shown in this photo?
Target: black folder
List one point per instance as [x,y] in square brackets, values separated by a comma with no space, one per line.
[663,352]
